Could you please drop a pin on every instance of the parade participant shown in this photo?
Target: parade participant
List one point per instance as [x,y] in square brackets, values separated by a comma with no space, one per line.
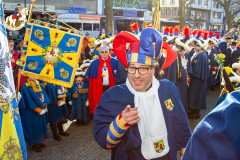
[224,45]
[234,76]
[101,75]
[90,48]
[170,72]
[217,135]
[182,71]
[79,95]
[57,110]
[14,55]
[199,70]
[33,106]
[232,55]
[136,119]
[14,58]
[84,67]
[165,33]
[102,35]
[173,36]
[96,50]
[212,53]
[17,13]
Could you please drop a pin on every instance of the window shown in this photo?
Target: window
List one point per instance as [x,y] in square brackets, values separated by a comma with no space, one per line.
[219,15]
[87,26]
[172,2]
[169,13]
[96,27]
[206,2]
[199,2]
[164,2]
[174,12]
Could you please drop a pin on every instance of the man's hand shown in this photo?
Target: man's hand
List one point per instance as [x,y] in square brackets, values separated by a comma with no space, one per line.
[130,115]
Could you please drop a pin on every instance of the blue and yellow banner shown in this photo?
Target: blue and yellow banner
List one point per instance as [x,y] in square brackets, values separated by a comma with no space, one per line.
[12,143]
[52,55]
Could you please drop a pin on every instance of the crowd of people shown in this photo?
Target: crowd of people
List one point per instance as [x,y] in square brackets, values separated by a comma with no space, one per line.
[140,108]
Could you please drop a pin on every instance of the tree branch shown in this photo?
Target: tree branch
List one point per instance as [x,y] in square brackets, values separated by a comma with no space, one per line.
[237,11]
[189,3]
[236,2]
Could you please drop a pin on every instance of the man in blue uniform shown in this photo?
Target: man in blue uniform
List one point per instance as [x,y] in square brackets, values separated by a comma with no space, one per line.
[199,70]
[212,53]
[143,118]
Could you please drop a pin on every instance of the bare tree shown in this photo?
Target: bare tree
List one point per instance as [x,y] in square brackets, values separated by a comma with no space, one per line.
[231,8]
[183,4]
[109,15]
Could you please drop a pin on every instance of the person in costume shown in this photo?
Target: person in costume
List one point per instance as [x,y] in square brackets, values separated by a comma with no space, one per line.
[217,135]
[17,13]
[136,119]
[170,72]
[79,95]
[232,55]
[101,75]
[234,76]
[33,107]
[15,62]
[57,110]
[212,53]
[199,72]
[95,53]
[182,70]
[224,45]
[90,48]
[102,35]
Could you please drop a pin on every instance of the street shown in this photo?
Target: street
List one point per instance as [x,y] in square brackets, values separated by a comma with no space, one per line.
[81,145]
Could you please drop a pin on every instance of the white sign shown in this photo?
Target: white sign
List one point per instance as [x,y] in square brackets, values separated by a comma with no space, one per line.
[12,6]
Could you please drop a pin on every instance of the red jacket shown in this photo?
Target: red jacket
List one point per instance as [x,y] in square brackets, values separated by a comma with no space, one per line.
[16,56]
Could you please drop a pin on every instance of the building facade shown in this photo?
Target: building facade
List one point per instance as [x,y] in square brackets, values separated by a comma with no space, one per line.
[203,14]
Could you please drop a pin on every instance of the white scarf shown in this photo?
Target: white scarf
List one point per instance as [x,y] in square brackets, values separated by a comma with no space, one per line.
[152,125]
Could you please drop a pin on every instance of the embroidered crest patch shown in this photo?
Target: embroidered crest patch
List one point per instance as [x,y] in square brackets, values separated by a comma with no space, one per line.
[195,61]
[169,104]
[159,146]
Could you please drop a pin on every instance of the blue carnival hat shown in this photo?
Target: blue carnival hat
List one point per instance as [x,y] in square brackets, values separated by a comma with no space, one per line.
[144,50]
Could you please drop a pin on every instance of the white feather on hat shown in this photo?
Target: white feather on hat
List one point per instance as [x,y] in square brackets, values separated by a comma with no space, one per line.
[98,42]
[180,43]
[202,45]
[236,65]
[214,40]
[86,63]
[79,72]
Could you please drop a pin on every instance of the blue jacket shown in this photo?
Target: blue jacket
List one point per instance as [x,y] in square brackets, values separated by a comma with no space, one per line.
[114,101]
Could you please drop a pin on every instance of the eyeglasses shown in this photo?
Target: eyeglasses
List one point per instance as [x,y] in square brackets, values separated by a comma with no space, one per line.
[141,70]
[103,51]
